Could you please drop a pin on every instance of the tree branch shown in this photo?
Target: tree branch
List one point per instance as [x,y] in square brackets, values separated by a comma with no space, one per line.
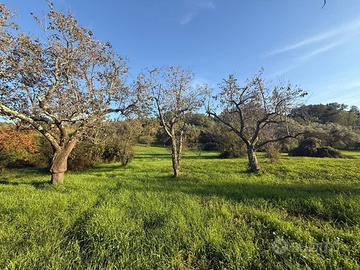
[279,139]
[230,126]
[162,119]
[9,112]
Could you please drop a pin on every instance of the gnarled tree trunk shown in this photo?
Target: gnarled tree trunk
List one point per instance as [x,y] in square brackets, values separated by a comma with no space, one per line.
[59,163]
[253,162]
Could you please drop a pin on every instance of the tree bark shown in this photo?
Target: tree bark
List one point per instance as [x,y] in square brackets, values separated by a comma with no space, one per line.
[58,167]
[253,162]
[175,158]
[59,163]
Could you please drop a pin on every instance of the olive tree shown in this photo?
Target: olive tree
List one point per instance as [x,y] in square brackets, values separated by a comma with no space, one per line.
[173,97]
[256,113]
[61,83]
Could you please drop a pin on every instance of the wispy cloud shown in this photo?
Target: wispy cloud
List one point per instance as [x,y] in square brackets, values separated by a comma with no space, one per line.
[300,60]
[320,50]
[349,29]
[347,93]
[187,18]
[282,71]
[317,45]
[344,90]
[194,8]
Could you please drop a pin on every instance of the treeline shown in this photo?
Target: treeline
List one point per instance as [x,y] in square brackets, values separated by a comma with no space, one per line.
[334,124]
[113,141]
[329,113]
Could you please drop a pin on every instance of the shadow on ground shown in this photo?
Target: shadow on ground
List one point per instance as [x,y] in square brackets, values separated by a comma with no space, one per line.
[36,184]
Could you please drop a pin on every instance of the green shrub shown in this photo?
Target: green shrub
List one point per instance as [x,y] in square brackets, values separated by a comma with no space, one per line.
[5,159]
[328,152]
[126,157]
[272,152]
[85,155]
[307,148]
[118,151]
[233,151]
[229,154]
[310,147]
[146,139]
[10,158]
[229,145]
[44,153]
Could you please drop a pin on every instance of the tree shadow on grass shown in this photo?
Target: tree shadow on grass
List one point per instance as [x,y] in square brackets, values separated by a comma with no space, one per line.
[41,184]
[36,184]
[242,191]
[27,172]
[152,156]
[332,202]
[6,182]
[168,156]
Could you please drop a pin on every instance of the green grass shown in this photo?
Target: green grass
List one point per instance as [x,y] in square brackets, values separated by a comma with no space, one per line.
[298,213]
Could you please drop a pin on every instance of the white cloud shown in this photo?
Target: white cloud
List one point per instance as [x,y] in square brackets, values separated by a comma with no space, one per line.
[350,29]
[187,18]
[318,50]
[195,7]
[205,4]
[298,61]
[278,73]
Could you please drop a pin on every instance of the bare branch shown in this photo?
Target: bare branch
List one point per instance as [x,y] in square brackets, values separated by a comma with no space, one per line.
[279,139]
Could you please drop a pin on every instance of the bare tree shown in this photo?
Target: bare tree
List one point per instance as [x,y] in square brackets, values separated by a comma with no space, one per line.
[173,96]
[61,84]
[257,114]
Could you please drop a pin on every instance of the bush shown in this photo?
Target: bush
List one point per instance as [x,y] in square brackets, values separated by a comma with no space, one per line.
[126,157]
[229,154]
[118,151]
[17,147]
[328,152]
[85,155]
[146,139]
[109,142]
[307,148]
[335,135]
[229,144]
[357,146]
[272,152]
[44,153]
[287,145]
[310,147]
[5,159]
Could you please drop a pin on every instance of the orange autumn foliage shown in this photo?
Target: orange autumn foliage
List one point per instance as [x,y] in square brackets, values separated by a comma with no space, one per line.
[16,140]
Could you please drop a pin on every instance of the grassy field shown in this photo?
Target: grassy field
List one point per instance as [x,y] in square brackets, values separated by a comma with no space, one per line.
[298,213]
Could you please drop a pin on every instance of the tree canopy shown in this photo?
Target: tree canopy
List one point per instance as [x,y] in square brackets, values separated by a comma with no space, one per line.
[60,83]
[258,114]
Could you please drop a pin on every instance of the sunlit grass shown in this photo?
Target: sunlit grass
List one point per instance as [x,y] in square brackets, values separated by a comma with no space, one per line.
[214,216]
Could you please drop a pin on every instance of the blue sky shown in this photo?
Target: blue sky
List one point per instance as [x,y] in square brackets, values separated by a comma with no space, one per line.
[297,41]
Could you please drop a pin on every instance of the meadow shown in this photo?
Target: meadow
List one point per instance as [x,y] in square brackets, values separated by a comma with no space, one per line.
[297,213]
